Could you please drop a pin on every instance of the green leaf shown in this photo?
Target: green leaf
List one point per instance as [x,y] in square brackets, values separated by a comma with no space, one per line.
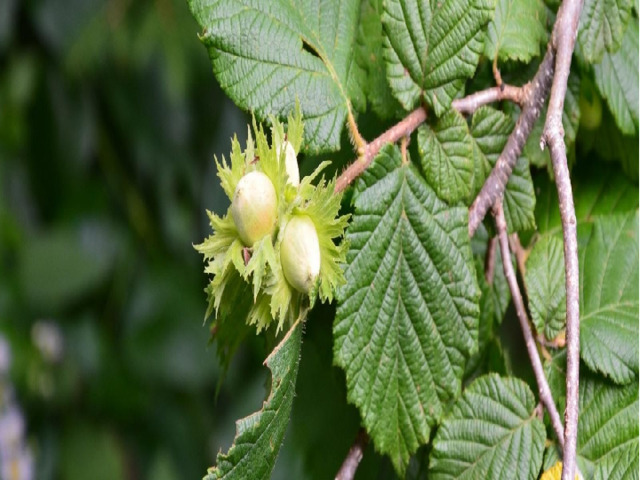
[617,79]
[268,54]
[407,318]
[490,129]
[621,466]
[446,153]
[370,56]
[323,426]
[607,425]
[609,298]
[602,24]
[544,279]
[517,30]
[492,429]
[259,436]
[432,47]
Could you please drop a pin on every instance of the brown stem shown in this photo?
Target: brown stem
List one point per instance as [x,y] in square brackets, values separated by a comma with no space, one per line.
[543,386]
[395,133]
[496,72]
[471,103]
[563,38]
[350,465]
[493,188]
[559,342]
[404,144]
[490,260]
[521,254]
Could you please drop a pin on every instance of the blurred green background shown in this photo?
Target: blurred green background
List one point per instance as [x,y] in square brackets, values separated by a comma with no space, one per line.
[109,120]
[110,117]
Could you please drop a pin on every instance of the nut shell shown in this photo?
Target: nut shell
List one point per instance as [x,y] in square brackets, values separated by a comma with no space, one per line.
[300,253]
[290,163]
[254,207]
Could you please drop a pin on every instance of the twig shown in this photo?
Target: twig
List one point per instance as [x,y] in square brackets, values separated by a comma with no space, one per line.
[496,72]
[404,144]
[354,133]
[543,386]
[563,38]
[471,103]
[404,128]
[350,465]
[559,342]
[490,260]
[521,254]
[395,133]
[535,95]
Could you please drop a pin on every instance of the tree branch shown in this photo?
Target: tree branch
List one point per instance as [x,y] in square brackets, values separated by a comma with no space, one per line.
[563,38]
[350,465]
[493,188]
[471,103]
[543,386]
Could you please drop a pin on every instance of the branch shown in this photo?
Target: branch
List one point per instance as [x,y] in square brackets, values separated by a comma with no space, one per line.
[395,133]
[563,38]
[350,465]
[543,386]
[535,95]
[471,103]
[521,254]
[406,126]
[490,260]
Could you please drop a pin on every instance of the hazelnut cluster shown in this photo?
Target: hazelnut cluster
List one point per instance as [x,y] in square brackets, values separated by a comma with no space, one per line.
[281,238]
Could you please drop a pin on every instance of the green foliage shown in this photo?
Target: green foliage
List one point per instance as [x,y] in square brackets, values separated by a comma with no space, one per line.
[267,55]
[607,426]
[544,279]
[617,80]
[370,55]
[597,192]
[613,146]
[492,429]
[259,436]
[445,152]
[602,23]
[109,117]
[420,322]
[517,30]
[432,47]
[609,298]
[408,315]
